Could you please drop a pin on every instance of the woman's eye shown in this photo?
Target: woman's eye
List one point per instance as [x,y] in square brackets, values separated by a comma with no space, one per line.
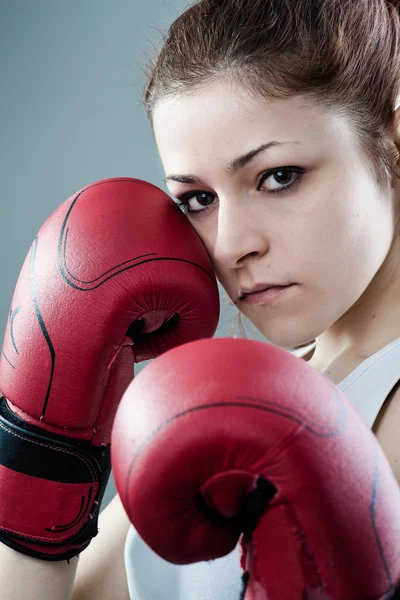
[195,202]
[280,179]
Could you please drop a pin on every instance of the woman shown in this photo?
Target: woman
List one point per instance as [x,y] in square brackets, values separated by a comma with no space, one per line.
[278,126]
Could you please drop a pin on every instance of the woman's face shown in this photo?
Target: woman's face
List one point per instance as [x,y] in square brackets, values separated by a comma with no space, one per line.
[306,210]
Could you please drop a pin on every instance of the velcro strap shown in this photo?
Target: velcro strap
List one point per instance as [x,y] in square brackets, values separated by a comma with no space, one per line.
[50,488]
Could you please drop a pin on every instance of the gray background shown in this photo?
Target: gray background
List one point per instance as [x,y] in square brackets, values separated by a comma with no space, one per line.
[71,73]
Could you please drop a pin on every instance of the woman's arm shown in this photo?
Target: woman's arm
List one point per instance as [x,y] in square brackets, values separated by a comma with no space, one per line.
[33,579]
[101,571]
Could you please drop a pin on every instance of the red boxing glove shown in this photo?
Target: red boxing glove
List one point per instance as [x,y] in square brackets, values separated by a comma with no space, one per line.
[228,439]
[116,275]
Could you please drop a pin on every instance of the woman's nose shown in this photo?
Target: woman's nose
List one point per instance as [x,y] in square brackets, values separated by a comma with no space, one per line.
[240,235]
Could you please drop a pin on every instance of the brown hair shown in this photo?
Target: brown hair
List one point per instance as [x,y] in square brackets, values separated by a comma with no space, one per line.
[343,53]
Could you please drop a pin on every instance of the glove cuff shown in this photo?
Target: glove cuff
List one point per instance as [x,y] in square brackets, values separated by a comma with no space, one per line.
[52,488]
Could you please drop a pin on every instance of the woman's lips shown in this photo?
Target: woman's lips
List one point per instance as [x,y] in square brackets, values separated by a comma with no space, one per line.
[266,295]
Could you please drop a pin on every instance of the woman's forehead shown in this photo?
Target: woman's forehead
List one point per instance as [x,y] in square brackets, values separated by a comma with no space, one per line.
[212,122]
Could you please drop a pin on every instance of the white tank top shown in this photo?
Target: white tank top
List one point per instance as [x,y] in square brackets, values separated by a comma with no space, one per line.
[152,578]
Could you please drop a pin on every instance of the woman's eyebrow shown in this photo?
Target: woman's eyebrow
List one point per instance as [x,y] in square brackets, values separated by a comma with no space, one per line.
[233,166]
